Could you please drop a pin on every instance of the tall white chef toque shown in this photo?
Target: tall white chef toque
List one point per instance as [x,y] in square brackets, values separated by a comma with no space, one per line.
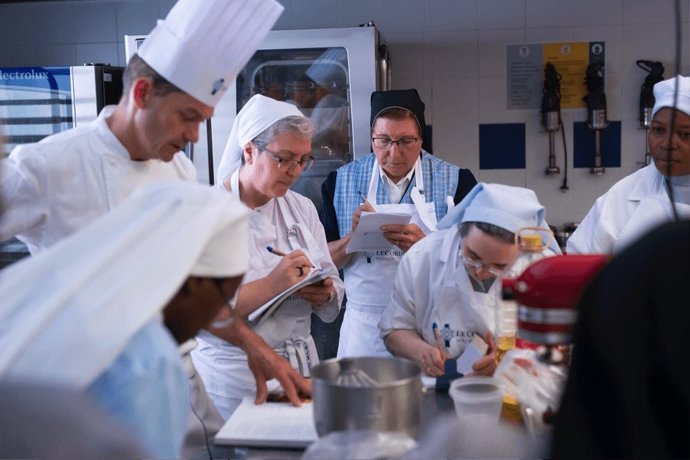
[69,312]
[257,115]
[664,94]
[202,45]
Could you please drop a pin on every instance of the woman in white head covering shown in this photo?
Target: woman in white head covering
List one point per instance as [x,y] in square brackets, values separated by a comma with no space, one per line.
[269,147]
[85,315]
[446,284]
[642,200]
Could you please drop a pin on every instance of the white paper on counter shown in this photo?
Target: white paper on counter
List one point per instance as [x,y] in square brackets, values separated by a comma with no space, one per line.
[368,235]
[271,424]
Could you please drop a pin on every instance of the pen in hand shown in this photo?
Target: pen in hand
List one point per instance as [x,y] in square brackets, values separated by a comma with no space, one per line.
[272,250]
[365,201]
[439,341]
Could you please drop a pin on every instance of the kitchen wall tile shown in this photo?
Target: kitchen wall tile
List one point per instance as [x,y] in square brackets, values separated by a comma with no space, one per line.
[547,13]
[549,34]
[352,13]
[403,16]
[55,24]
[315,14]
[652,11]
[454,54]
[452,15]
[54,55]
[597,12]
[135,17]
[501,14]
[94,22]
[410,55]
[16,25]
[106,53]
[514,177]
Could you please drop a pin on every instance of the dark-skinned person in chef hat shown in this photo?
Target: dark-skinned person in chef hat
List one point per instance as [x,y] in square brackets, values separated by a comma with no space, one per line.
[103,311]
[643,200]
[398,176]
[51,189]
[451,278]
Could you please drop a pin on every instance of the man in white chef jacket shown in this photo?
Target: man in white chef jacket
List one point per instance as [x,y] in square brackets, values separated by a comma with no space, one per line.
[57,186]
[639,202]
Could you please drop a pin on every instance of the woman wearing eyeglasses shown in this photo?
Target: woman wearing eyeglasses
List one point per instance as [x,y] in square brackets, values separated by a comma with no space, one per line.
[398,176]
[451,278]
[269,147]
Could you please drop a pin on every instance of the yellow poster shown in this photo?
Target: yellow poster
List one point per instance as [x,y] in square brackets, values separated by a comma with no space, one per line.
[571,61]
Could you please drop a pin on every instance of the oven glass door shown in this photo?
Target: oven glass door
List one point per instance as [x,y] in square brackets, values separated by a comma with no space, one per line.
[317,81]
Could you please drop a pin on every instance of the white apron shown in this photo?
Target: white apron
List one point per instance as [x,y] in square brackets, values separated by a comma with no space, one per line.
[650,213]
[223,366]
[369,276]
[458,310]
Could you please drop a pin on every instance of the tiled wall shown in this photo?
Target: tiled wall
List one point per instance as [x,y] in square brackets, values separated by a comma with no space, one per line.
[452,51]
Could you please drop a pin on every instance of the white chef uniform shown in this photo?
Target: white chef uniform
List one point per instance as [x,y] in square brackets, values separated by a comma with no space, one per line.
[638,202]
[86,315]
[432,284]
[367,278]
[287,223]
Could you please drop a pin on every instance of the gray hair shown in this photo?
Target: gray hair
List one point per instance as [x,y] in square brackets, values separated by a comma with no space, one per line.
[138,68]
[495,231]
[296,125]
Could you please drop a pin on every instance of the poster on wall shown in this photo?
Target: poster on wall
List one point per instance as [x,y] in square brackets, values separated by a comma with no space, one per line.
[525,72]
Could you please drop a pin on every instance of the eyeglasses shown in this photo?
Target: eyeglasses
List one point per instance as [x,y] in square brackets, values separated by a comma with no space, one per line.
[290,165]
[386,142]
[477,265]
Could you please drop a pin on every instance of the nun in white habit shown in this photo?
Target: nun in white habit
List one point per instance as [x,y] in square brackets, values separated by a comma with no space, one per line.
[103,311]
[450,277]
[269,147]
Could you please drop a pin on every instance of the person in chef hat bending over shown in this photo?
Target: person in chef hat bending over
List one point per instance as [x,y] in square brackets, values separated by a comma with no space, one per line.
[106,319]
[53,188]
[642,200]
[449,279]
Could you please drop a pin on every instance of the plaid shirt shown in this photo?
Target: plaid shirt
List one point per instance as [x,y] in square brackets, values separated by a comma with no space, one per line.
[440,180]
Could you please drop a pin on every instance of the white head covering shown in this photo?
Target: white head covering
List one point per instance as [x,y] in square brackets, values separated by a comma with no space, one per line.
[510,208]
[664,93]
[257,115]
[67,313]
[202,45]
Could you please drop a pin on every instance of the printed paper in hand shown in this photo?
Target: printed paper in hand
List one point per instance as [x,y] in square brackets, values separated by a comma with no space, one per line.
[368,235]
[266,310]
[272,424]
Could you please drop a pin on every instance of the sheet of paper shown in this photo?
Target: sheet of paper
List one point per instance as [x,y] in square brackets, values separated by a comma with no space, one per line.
[271,424]
[475,350]
[266,310]
[368,235]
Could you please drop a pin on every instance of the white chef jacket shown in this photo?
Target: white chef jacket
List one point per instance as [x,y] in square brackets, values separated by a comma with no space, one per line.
[285,223]
[51,189]
[634,205]
[433,286]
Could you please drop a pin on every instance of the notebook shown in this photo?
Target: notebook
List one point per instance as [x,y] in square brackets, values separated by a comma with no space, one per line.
[272,424]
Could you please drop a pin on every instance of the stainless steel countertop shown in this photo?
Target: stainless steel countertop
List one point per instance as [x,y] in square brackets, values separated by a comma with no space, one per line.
[434,405]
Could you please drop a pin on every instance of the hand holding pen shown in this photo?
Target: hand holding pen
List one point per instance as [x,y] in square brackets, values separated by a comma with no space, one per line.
[317,293]
[365,206]
[435,362]
[292,267]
